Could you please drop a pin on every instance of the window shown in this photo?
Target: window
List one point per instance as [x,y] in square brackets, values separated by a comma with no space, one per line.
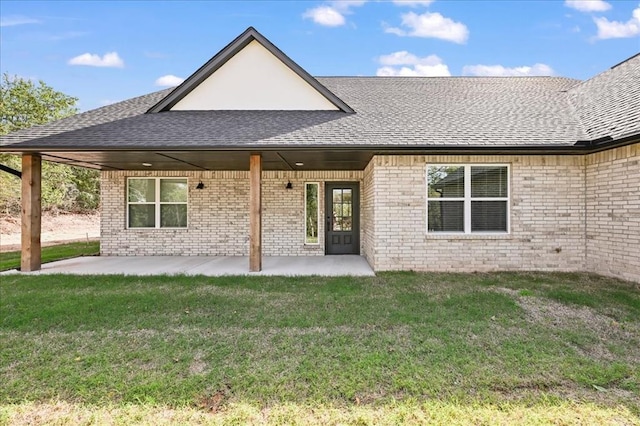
[467,199]
[157,202]
[311,213]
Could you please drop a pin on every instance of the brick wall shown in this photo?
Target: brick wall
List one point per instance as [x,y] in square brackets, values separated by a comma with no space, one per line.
[613,212]
[547,217]
[568,213]
[218,215]
[368,215]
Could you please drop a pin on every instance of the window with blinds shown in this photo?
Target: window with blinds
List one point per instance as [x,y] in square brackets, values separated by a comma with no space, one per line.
[467,199]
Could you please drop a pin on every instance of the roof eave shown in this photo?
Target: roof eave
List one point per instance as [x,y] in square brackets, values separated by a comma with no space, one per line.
[577,148]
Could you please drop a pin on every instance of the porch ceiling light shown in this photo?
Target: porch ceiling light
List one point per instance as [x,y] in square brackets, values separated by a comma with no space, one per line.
[299,163]
[147,164]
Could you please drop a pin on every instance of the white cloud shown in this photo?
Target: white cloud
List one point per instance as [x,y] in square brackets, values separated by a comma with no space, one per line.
[325,15]
[588,5]
[110,59]
[615,29]
[169,80]
[407,64]
[13,20]
[431,25]
[413,3]
[501,71]
[332,14]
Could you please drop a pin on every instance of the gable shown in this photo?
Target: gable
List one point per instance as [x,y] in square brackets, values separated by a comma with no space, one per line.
[254,79]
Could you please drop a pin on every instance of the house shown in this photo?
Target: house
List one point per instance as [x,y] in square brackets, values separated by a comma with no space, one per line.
[252,156]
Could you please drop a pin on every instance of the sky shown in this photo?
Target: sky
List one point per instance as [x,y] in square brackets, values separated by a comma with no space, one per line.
[105,52]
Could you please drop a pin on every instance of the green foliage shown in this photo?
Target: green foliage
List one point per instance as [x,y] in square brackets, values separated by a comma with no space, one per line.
[25,104]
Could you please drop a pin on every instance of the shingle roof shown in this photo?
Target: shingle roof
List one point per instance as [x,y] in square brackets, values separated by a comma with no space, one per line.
[106,114]
[390,111]
[609,103]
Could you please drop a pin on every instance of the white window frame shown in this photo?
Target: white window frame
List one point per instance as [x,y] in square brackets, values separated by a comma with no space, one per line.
[467,199]
[304,200]
[157,203]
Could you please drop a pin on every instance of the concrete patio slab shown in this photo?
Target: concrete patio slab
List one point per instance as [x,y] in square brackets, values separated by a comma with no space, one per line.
[210,266]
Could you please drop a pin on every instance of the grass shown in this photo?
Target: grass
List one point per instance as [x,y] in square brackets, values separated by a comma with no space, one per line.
[11,259]
[397,348]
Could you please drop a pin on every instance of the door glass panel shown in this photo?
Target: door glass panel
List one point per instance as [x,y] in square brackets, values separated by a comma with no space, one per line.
[342,210]
[337,195]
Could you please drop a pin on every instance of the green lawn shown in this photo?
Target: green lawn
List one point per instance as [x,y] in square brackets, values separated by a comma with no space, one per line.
[410,348]
[11,259]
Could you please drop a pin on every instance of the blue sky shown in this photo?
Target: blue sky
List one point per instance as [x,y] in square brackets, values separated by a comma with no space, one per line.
[103,52]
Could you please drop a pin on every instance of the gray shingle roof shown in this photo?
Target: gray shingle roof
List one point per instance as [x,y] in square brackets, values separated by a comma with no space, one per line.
[390,112]
[106,114]
[609,103]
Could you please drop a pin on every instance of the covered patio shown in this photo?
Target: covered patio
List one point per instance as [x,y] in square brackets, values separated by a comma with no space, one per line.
[351,265]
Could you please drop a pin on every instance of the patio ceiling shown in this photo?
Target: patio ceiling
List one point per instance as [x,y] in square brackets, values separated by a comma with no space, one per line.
[213,159]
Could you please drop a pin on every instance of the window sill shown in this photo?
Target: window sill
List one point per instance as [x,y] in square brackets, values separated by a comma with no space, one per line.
[156,229]
[478,236]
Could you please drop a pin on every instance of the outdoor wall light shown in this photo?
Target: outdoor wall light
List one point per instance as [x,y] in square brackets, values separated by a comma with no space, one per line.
[200,185]
[289,185]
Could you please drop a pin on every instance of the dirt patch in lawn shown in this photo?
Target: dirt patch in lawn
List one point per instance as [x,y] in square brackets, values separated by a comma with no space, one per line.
[56,228]
[544,311]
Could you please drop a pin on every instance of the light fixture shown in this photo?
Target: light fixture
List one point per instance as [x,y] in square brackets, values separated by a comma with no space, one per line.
[299,163]
[289,185]
[147,164]
[200,185]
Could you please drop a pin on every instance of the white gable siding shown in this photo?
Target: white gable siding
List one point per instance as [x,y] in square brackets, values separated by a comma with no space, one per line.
[254,79]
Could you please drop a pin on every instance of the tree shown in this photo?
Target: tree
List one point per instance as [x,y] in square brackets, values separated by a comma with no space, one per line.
[24,104]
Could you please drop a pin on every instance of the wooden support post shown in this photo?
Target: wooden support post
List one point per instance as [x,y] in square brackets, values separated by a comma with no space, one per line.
[255,213]
[30,258]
